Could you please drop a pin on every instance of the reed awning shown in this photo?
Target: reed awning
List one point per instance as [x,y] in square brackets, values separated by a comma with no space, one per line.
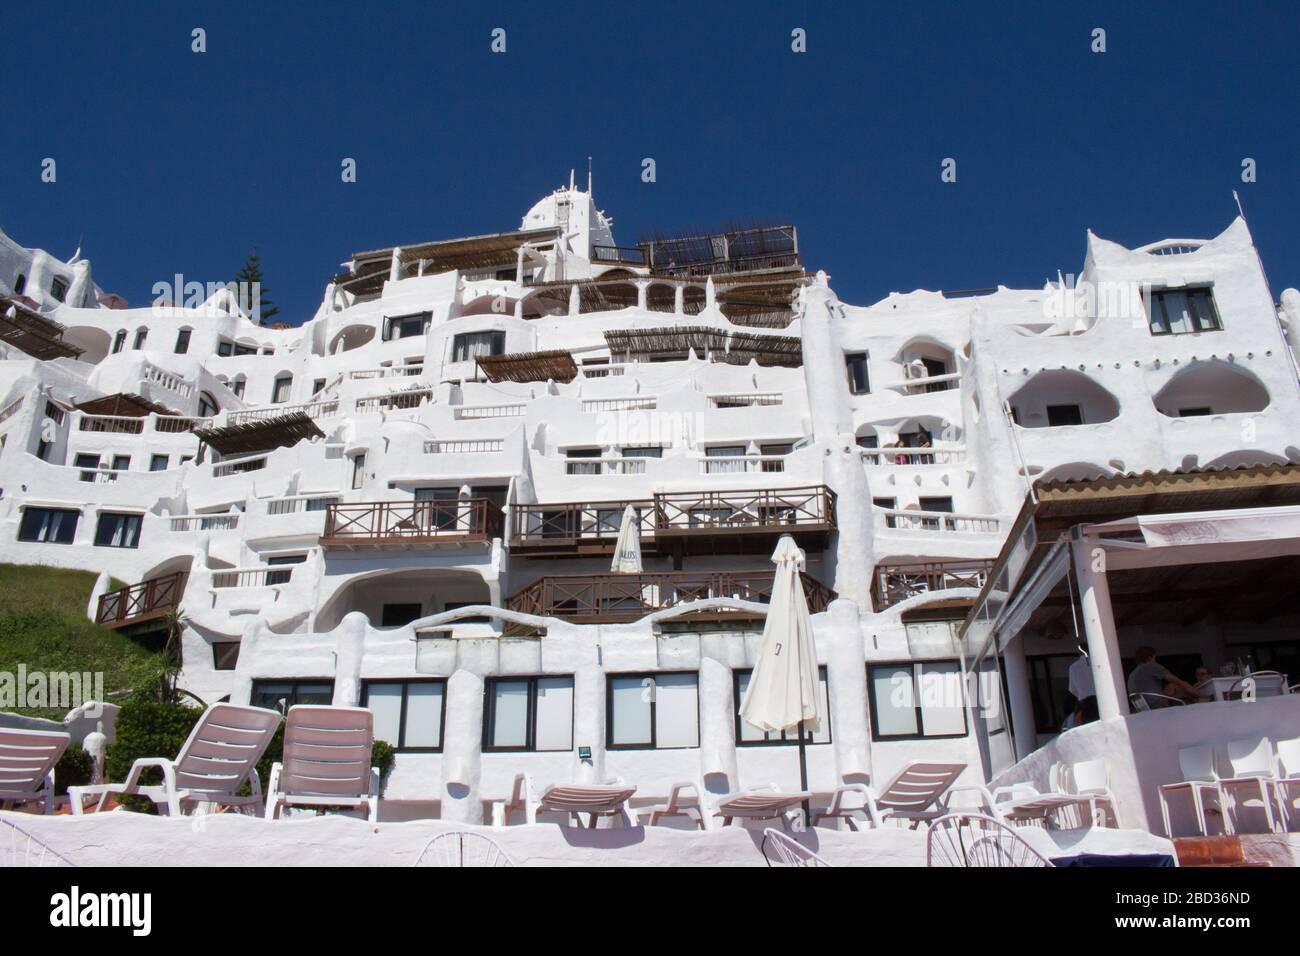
[283,431]
[38,336]
[371,268]
[556,365]
[123,405]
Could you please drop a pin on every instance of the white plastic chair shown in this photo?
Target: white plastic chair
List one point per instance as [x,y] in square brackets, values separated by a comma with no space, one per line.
[609,800]
[781,850]
[19,849]
[1287,785]
[708,810]
[1252,766]
[326,761]
[462,848]
[221,753]
[1088,778]
[1200,779]
[915,794]
[27,759]
[976,840]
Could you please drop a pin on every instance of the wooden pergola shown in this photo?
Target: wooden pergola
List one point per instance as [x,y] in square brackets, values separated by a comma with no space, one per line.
[123,405]
[557,365]
[38,336]
[246,438]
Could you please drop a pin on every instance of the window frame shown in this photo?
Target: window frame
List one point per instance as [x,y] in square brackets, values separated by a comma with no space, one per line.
[396,322]
[530,731]
[295,683]
[29,509]
[1156,296]
[281,389]
[610,677]
[218,660]
[497,345]
[916,701]
[133,537]
[785,740]
[182,341]
[852,358]
[399,745]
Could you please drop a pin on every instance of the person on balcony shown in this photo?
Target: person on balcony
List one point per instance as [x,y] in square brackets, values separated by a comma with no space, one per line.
[1155,683]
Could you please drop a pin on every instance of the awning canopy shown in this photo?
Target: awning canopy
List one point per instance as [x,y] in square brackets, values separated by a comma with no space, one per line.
[556,365]
[124,405]
[38,336]
[371,268]
[283,431]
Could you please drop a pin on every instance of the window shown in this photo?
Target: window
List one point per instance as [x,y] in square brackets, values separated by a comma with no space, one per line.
[119,340]
[121,462]
[397,615]
[936,504]
[182,342]
[280,393]
[237,387]
[1194,412]
[318,386]
[43,449]
[869,441]
[405,326]
[859,381]
[207,405]
[1177,311]
[725,467]
[472,345]
[583,468]
[358,470]
[917,699]
[158,463]
[655,711]
[118,530]
[224,348]
[85,460]
[20,284]
[282,577]
[282,694]
[245,349]
[50,525]
[528,714]
[225,655]
[1064,415]
[409,714]
[748,735]
[58,289]
[642,451]
[140,336]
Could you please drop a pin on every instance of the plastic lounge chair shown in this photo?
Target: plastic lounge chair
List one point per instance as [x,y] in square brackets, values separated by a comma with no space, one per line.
[220,755]
[462,848]
[1252,772]
[326,761]
[915,794]
[781,850]
[1088,778]
[573,799]
[704,808]
[976,840]
[27,759]
[1199,780]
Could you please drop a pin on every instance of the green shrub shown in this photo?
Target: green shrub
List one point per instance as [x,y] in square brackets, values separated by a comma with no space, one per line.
[74,769]
[147,728]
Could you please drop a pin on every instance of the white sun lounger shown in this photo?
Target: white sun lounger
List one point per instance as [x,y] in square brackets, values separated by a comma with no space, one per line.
[572,799]
[916,794]
[27,759]
[220,755]
[326,761]
[756,803]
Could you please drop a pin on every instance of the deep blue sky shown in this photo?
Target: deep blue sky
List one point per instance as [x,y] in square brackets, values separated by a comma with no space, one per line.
[170,161]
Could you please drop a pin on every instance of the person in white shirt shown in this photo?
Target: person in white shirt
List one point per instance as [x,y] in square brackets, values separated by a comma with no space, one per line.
[1083,690]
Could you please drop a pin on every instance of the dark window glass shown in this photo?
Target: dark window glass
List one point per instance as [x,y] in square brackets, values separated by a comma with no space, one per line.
[1064,415]
[282,694]
[859,381]
[158,463]
[471,345]
[116,530]
[396,615]
[1179,311]
[225,655]
[182,341]
[51,525]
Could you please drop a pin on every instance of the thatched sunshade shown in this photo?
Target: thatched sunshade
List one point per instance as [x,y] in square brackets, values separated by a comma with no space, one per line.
[245,438]
[666,340]
[25,328]
[371,269]
[786,350]
[556,366]
[123,405]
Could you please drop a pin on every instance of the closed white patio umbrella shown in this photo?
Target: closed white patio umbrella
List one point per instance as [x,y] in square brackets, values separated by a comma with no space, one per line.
[783,688]
[627,549]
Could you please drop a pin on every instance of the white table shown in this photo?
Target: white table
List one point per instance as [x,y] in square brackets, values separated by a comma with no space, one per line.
[1269,685]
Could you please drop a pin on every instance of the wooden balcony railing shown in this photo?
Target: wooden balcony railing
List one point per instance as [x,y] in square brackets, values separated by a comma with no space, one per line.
[679,521]
[141,602]
[597,598]
[892,583]
[401,523]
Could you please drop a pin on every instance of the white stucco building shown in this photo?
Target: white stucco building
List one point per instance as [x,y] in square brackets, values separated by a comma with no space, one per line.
[410,501]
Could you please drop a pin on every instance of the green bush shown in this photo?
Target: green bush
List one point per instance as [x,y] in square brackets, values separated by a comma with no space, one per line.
[74,769]
[147,728]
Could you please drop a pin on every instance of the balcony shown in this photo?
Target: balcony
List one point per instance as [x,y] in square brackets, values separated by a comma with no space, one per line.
[893,583]
[615,598]
[403,524]
[138,603]
[679,522]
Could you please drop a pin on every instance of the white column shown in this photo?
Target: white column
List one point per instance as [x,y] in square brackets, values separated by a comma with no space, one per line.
[1099,626]
[641,288]
[679,299]
[349,648]
[1016,670]
[575,305]
[846,673]
[589,722]
[462,750]
[718,726]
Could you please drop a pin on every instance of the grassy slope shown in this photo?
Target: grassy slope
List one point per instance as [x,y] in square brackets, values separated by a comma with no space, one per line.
[43,625]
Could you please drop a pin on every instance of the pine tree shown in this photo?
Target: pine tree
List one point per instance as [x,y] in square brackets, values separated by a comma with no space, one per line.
[252,294]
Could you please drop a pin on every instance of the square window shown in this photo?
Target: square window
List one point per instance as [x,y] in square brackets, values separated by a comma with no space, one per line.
[118,530]
[49,525]
[225,655]
[859,379]
[653,711]
[532,714]
[409,714]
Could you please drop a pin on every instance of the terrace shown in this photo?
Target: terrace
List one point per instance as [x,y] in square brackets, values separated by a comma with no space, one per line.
[613,598]
[139,603]
[27,329]
[680,522]
[895,582]
[404,524]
